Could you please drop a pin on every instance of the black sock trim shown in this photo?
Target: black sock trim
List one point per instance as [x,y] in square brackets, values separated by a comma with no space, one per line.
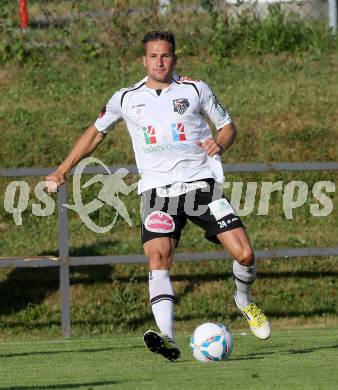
[242,281]
[162,297]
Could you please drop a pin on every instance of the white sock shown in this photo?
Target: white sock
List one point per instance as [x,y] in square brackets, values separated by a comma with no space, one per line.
[244,277]
[162,301]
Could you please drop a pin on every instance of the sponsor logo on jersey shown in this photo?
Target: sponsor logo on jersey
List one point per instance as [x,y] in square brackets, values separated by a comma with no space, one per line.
[178,132]
[149,134]
[103,111]
[139,112]
[159,222]
[173,146]
[181,105]
[152,149]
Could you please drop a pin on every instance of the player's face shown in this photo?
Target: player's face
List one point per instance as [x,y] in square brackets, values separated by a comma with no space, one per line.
[159,60]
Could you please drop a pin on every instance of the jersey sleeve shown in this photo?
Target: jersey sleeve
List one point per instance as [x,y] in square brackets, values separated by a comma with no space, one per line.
[110,115]
[212,107]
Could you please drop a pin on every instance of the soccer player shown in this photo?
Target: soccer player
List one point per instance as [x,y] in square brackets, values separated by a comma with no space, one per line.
[178,160]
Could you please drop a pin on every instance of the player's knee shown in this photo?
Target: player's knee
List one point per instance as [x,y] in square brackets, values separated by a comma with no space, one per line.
[160,260]
[246,257]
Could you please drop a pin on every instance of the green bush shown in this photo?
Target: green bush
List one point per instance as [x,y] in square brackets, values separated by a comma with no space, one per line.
[93,29]
[279,31]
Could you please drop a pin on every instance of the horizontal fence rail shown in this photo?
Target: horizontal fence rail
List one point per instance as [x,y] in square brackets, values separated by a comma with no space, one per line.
[45,261]
[64,261]
[228,168]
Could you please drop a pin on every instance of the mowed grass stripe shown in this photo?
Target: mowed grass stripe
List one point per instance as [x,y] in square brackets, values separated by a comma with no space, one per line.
[295,359]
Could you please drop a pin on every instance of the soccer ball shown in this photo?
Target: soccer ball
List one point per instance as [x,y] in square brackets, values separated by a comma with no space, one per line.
[211,342]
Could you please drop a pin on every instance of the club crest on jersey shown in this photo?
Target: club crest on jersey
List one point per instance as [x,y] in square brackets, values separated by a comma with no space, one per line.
[149,134]
[178,132]
[181,105]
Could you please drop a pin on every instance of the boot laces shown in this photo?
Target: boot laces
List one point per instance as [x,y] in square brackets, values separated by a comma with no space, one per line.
[257,313]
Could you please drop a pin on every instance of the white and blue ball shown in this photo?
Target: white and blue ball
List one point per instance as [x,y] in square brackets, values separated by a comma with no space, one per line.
[211,342]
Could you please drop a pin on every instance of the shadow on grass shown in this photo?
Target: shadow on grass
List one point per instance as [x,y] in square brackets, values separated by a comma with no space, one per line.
[264,355]
[56,352]
[309,350]
[255,356]
[213,277]
[28,286]
[100,248]
[222,315]
[63,386]
[274,315]
[137,322]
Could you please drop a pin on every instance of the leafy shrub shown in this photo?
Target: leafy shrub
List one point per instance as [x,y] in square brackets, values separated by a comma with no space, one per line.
[99,28]
[280,30]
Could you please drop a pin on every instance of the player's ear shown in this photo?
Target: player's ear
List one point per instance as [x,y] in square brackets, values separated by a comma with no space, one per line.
[144,61]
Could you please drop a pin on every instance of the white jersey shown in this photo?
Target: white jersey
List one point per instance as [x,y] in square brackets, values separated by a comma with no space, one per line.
[164,129]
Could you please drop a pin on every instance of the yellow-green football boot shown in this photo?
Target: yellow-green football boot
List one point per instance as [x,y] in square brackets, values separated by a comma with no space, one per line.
[257,320]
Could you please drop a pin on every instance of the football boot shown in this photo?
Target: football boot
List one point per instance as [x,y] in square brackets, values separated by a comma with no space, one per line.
[257,320]
[162,344]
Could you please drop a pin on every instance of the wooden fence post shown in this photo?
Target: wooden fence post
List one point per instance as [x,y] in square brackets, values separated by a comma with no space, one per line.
[64,262]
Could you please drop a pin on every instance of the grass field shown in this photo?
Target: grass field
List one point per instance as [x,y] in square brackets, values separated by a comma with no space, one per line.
[294,359]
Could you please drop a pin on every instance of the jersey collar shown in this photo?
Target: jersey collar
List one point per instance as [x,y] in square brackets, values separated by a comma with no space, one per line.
[165,90]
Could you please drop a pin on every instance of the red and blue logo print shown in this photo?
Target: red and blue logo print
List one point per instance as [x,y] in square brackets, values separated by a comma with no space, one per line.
[149,134]
[178,132]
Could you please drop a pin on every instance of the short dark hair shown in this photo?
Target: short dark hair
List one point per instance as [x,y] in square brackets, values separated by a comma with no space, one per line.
[159,36]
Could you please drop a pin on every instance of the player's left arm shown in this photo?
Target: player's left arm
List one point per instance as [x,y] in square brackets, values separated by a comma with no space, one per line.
[219,116]
[225,138]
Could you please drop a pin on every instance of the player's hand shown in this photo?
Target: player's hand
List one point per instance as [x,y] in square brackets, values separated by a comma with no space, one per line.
[210,146]
[55,180]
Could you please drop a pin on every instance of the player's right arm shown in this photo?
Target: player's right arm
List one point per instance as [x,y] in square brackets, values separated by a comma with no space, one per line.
[88,142]
[85,145]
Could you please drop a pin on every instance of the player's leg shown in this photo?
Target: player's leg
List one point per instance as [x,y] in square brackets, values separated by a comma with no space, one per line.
[237,243]
[159,252]
[244,265]
[222,225]
[161,230]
